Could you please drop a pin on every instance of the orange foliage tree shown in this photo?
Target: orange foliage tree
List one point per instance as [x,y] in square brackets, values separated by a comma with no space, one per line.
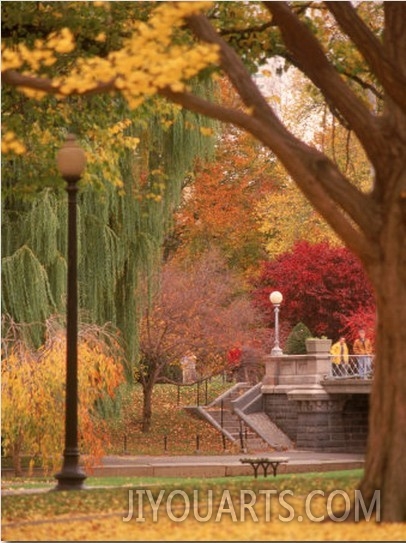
[33,393]
[218,209]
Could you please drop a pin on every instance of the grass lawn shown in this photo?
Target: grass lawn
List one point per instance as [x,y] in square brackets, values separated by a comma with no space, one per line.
[190,509]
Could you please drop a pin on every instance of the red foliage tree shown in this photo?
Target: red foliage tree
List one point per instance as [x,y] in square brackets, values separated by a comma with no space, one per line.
[321,285]
[363,318]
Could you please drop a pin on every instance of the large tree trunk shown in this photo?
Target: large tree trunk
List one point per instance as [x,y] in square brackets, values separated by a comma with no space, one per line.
[385,459]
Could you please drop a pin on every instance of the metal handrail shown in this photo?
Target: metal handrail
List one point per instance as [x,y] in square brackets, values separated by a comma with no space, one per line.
[354,366]
[198,383]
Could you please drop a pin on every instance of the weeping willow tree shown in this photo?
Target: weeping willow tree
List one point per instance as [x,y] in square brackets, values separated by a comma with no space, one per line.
[124,213]
[137,165]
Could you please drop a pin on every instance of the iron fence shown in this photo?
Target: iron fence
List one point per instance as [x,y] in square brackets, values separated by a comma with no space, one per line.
[356,366]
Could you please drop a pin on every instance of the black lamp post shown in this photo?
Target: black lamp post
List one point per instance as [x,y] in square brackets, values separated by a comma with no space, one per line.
[71,161]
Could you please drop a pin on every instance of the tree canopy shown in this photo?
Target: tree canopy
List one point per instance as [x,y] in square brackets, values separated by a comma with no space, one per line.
[137,163]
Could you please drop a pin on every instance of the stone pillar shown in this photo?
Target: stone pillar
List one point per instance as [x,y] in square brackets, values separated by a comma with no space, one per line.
[188,364]
[272,368]
[295,370]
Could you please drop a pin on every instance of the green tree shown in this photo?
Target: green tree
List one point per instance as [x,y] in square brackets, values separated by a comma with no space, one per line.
[137,162]
[372,224]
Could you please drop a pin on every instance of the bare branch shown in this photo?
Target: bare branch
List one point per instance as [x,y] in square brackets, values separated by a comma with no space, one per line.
[391,78]
[364,84]
[314,63]
[44,84]
[247,30]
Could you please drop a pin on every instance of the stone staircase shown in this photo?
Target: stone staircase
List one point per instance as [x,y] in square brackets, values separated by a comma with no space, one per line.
[237,415]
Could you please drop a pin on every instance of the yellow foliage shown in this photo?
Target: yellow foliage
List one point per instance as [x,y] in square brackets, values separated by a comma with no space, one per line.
[228,522]
[206,131]
[33,385]
[147,62]
[11,144]
[20,55]
[286,216]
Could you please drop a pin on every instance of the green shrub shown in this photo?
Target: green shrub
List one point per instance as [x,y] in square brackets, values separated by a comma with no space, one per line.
[295,343]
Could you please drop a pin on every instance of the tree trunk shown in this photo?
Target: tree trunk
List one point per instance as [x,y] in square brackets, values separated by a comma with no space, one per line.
[385,458]
[18,471]
[147,390]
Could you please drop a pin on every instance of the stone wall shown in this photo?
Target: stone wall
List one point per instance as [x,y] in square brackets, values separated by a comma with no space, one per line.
[282,412]
[320,425]
[333,423]
[355,418]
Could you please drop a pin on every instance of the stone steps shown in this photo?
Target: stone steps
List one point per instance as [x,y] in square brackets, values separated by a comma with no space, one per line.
[221,411]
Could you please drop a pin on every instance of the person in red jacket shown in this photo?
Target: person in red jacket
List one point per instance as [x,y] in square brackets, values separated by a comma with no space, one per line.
[233,361]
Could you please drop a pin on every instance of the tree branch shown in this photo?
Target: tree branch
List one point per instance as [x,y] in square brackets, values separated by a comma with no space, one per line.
[364,84]
[314,63]
[44,84]
[246,30]
[334,197]
[296,156]
[391,78]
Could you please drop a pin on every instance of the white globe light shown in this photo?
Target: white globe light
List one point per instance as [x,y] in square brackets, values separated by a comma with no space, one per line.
[276,297]
[71,159]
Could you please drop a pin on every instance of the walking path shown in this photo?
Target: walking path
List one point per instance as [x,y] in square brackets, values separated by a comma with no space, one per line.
[210,466]
[223,465]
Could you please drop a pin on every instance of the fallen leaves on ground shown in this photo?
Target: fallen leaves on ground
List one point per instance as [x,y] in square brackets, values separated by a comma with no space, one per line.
[196,511]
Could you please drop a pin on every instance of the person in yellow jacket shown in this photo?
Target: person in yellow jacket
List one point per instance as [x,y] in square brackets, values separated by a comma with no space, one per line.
[340,357]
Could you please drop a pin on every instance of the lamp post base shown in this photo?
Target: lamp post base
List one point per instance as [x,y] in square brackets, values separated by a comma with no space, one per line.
[72,480]
[276,351]
[71,477]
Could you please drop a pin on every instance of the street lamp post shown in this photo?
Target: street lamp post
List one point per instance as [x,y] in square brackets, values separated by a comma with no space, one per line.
[276,300]
[71,162]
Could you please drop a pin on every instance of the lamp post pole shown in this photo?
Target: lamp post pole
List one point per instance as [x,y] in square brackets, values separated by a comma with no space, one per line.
[71,162]
[276,300]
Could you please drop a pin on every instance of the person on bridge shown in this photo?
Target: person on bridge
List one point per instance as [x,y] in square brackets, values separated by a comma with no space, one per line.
[340,357]
[363,348]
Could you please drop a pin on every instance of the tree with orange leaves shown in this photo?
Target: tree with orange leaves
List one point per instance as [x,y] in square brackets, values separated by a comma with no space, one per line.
[32,386]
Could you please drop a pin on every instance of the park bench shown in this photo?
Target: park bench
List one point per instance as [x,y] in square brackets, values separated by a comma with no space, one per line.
[265,463]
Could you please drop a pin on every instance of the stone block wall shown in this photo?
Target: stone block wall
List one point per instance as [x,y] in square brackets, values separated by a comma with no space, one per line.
[282,412]
[330,423]
[355,417]
[320,425]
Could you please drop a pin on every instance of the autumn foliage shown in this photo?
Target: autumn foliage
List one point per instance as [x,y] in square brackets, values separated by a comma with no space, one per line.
[200,309]
[218,210]
[33,398]
[322,286]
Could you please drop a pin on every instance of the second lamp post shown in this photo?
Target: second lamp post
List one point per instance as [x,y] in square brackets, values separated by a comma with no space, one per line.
[276,300]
